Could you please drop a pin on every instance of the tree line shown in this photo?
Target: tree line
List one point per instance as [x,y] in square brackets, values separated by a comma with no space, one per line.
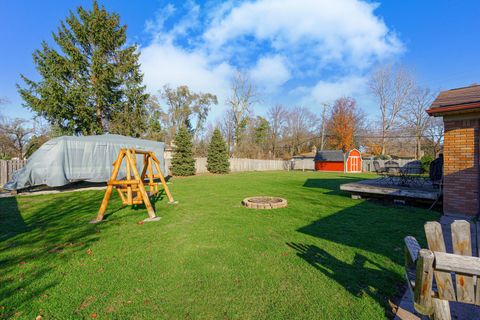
[91,83]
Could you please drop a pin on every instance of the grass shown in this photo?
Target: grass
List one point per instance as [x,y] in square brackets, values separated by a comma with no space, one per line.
[324,257]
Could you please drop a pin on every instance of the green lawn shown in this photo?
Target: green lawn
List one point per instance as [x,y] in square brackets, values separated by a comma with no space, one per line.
[324,257]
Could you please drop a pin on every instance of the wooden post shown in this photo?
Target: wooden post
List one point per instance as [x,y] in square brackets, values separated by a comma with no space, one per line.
[108,193]
[412,248]
[129,177]
[153,186]
[462,245]
[162,179]
[145,167]
[434,234]
[141,187]
[423,282]
[442,309]
[122,196]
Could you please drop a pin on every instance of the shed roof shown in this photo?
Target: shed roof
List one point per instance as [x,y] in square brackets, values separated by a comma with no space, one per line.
[329,155]
[455,100]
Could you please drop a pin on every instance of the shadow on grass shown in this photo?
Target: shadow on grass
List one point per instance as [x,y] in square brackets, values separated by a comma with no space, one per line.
[333,185]
[33,238]
[371,229]
[12,221]
[360,277]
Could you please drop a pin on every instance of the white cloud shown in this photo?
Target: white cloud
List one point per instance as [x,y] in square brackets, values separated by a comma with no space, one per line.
[165,63]
[155,26]
[270,72]
[321,48]
[344,31]
[328,91]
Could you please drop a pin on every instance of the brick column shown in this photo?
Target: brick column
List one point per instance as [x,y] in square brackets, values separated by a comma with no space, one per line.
[461,172]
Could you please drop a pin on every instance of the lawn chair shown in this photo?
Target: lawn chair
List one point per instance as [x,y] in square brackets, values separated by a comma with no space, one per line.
[436,172]
[437,277]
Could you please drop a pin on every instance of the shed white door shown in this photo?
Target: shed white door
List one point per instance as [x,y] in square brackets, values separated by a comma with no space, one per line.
[355,165]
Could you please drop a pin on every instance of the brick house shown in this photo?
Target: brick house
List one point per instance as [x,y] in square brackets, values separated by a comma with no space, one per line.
[460,109]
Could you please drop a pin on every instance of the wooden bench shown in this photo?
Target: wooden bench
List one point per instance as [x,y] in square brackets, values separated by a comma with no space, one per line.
[437,277]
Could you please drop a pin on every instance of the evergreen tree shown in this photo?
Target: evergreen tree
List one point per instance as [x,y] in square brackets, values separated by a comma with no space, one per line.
[183,163]
[217,159]
[93,83]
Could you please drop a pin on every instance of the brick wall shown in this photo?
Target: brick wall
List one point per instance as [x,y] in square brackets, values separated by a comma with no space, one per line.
[461,172]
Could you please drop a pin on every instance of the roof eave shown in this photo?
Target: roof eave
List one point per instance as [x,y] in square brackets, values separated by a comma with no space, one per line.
[451,109]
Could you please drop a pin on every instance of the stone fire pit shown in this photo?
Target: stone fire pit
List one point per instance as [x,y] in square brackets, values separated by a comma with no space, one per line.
[264,202]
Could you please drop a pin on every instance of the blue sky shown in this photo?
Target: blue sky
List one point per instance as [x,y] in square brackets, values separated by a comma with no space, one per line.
[298,52]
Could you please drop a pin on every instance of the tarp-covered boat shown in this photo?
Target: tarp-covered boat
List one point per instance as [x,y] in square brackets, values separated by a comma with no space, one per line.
[68,159]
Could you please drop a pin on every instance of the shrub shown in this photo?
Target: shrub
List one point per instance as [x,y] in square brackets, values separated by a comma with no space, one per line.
[425,162]
[217,158]
[183,163]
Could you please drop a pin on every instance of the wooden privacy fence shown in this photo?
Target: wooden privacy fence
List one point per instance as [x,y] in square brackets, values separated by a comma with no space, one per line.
[241,164]
[303,164]
[7,168]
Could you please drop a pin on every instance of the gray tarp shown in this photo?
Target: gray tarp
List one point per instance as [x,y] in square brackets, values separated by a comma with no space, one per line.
[68,159]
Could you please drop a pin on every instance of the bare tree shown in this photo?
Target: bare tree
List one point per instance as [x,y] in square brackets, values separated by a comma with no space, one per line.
[301,123]
[277,116]
[325,108]
[15,135]
[415,117]
[434,133]
[243,95]
[392,88]
[226,125]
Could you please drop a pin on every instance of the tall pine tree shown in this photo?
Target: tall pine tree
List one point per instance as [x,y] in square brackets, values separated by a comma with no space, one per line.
[183,163]
[93,83]
[217,158]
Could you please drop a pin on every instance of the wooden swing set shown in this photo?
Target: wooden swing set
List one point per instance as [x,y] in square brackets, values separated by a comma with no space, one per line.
[132,189]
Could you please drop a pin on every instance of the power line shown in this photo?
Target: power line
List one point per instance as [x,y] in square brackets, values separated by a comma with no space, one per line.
[369,137]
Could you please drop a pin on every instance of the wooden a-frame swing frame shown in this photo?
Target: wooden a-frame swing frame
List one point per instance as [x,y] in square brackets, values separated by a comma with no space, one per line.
[132,189]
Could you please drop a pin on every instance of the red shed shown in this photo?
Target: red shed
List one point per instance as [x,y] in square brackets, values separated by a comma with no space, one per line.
[336,160]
